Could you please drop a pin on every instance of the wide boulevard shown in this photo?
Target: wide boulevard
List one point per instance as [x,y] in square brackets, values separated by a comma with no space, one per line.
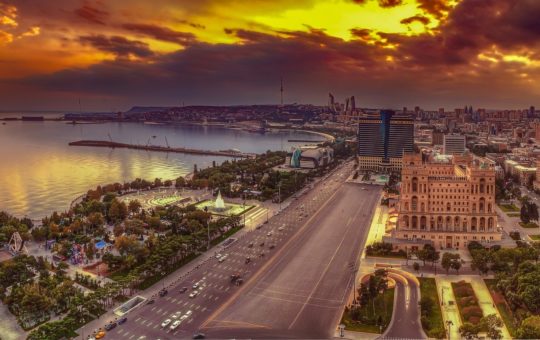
[296,283]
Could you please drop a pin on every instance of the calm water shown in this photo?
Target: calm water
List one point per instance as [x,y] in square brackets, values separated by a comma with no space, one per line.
[40,173]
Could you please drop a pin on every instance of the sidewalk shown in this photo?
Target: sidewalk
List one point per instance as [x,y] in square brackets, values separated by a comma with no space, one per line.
[449,308]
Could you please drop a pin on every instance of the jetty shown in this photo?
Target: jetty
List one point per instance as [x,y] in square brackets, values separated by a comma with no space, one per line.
[305,141]
[114,145]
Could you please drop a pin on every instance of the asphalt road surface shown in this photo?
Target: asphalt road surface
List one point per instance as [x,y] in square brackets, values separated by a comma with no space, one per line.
[406,317]
[302,253]
[301,292]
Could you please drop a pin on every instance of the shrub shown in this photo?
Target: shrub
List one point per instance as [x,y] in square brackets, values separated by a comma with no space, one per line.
[470,312]
[463,291]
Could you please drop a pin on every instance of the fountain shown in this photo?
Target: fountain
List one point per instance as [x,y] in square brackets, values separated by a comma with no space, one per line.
[219,203]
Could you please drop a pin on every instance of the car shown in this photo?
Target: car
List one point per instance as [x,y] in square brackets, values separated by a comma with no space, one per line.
[91,337]
[250,245]
[262,244]
[166,322]
[110,326]
[122,320]
[193,294]
[218,256]
[150,302]
[189,312]
[175,324]
[221,259]
[100,334]
[184,317]
[272,246]
[176,315]
[269,233]
[183,290]
[198,336]
[281,228]
[163,292]
[196,285]
[248,260]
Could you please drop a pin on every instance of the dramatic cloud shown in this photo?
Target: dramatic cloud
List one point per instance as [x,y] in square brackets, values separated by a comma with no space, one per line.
[93,14]
[119,46]
[387,53]
[162,33]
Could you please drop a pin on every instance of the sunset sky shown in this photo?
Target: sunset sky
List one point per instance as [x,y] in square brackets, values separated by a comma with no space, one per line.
[113,54]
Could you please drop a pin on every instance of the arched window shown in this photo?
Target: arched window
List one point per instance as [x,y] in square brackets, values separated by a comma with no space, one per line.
[415,184]
[456,223]
[473,224]
[482,224]
[482,185]
[406,221]
[422,207]
[414,222]
[490,223]
[464,225]
[423,222]
[448,222]
[439,223]
[481,204]
[414,203]
[489,207]
[474,207]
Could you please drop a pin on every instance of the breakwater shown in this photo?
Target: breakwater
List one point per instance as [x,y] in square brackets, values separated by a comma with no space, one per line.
[158,148]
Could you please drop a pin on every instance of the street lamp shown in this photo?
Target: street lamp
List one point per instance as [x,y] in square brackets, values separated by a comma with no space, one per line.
[449,323]
[208,228]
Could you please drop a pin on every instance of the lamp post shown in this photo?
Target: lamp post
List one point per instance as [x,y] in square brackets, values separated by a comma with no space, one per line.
[449,323]
[208,229]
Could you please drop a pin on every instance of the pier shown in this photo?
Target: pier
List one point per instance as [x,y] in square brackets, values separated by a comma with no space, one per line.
[113,145]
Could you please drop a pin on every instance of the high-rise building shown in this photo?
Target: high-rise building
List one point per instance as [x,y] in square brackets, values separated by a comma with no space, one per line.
[454,144]
[383,138]
[446,202]
[331,102]
[353,104]
[437,137]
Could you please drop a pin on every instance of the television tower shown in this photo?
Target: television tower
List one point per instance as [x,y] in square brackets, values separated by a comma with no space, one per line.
[281,91]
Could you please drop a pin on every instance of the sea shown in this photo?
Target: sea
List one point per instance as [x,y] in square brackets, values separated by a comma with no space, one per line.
[40,173]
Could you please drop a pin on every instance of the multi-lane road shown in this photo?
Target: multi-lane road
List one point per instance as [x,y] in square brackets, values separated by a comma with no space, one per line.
[295,284]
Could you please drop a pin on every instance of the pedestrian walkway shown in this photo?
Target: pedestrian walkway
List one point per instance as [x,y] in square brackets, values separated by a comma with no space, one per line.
[449,309]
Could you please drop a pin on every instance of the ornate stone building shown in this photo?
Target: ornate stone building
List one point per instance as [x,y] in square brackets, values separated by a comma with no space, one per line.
[447,202]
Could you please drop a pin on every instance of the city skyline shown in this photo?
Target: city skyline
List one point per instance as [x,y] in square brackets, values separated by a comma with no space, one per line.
[112,56]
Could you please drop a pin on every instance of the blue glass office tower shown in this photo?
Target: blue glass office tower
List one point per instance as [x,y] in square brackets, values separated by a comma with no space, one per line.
[383,138]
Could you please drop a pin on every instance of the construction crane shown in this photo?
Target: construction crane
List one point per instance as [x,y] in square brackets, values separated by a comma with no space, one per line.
[167,142]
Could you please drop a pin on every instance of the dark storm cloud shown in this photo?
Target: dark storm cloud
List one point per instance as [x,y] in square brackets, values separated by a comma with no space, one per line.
[390,3]
[416,18]
[119,46]
[161,33]
[437,8]
[192,24]
[92,13]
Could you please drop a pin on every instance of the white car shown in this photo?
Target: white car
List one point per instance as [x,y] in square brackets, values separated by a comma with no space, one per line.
[188,313]
[165,323]
[193,294]
[196,285]
[218,256]
[221,259]
[269,233]
[184,317]
[175,324]
[176,315]
[281,228]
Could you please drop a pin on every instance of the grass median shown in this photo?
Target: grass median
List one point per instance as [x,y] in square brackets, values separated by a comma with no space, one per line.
[500,302]
[432,319]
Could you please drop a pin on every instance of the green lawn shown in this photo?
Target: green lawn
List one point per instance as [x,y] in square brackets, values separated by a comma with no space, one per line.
[535,237]
[434,327]
[528,225]
[513,214]
[384,306]
[393,255]
[509,208]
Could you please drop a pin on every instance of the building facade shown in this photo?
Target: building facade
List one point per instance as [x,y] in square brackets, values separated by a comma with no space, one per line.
[445,203]
[454,144]
[383,138]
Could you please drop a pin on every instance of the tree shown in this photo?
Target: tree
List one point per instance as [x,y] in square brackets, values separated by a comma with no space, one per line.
[529,328]
[450,260]
[468,330]
[117,210]
[134,206]
[492,324]
[416,266]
